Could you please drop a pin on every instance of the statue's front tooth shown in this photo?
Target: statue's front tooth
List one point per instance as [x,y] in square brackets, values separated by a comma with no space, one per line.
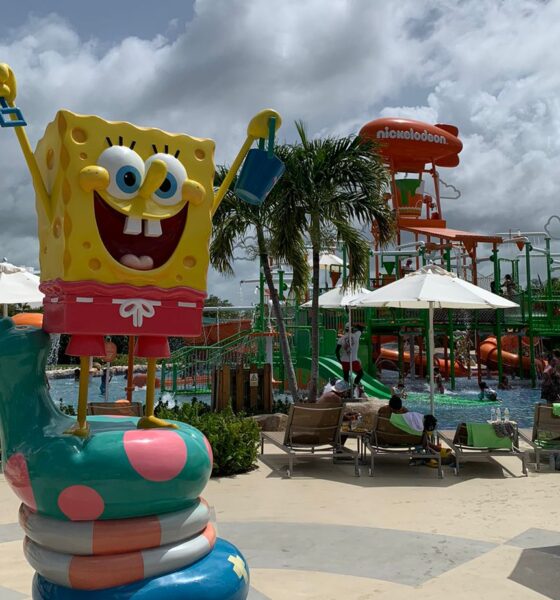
[152,228]
[132,226]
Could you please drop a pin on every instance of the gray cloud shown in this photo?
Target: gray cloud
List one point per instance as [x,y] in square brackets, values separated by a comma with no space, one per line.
[487,66]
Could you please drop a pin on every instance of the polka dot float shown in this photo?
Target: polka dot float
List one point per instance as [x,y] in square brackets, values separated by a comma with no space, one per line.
[81,503]
[210,453]
[156,455]
[17,476]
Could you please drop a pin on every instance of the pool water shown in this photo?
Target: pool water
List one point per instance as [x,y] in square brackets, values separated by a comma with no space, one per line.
[463,404]
[67,390]
[451,408]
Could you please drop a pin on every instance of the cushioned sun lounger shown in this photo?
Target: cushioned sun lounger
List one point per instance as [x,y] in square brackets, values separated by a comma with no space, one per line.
[477,442]
[387,439]
[310,429]
[545,438]
[124,409]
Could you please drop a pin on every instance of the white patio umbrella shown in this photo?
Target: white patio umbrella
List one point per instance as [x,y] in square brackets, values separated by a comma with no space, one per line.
[339,297]
[433,287]
[18,286]
[326,260]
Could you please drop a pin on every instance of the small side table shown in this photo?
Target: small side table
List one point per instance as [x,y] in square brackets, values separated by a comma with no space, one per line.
[358,435]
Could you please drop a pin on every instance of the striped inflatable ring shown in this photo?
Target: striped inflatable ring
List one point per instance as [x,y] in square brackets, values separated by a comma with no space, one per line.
[114,536]
[100,572]
[221,575]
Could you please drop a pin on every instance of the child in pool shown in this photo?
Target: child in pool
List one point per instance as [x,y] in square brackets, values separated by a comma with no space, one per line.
[438,381]
[487,393]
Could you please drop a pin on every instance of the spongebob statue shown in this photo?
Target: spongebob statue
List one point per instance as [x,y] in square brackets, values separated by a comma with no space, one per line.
[124,217]
[124,220]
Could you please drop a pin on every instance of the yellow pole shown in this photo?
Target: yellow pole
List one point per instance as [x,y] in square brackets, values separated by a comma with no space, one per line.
[149,420]
[232,171]
[81,427]
[150,387]
[38,183]
[130,372]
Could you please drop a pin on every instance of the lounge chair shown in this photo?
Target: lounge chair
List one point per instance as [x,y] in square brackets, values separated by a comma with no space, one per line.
[467,451]
[124,409]
[310,429]
[388,440]
[545,438]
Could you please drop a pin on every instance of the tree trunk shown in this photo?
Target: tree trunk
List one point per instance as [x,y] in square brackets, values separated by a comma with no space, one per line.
[277,309]
[314,380]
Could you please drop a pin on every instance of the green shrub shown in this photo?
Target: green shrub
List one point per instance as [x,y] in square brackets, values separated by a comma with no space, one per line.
[233,437]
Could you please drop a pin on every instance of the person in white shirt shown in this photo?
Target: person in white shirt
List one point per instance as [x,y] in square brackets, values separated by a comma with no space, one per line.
[347,353]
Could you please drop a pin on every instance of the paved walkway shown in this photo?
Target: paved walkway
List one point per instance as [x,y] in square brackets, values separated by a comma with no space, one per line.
[325,534]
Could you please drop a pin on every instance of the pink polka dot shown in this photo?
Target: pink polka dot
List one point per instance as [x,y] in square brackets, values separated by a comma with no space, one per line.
[81,503]
[210,453]
[17,476]
[157,454]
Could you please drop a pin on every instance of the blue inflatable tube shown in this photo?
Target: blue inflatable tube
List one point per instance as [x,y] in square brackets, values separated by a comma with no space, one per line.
[221,575]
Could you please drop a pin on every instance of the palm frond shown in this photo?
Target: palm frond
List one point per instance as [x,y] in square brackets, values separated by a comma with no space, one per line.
[357,252]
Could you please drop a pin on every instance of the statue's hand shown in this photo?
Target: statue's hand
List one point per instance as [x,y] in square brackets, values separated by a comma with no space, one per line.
[8,86]
[258,126]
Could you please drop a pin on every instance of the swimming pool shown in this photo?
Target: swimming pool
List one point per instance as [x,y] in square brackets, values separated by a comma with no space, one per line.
[462,404]
[450,408]
[67,390]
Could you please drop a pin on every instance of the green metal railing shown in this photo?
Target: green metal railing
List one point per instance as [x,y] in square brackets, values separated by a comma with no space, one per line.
[190,369]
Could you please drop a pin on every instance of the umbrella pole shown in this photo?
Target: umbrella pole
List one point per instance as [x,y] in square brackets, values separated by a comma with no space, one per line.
[5,310]
[351,374]
[431,353]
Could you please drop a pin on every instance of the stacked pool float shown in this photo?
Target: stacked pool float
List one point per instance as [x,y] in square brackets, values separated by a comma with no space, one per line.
[114,516]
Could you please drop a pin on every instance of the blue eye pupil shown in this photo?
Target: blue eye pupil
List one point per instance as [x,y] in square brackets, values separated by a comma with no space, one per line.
[128,179]
[168,188]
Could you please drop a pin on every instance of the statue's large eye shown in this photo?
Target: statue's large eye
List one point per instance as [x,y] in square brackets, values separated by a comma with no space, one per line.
[126,171]
[170,192]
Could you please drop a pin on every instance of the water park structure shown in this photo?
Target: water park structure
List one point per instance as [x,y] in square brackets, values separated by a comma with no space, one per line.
[111,505]
[511,342]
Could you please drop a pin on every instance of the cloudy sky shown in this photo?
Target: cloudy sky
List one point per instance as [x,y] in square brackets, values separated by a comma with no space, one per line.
[204,67]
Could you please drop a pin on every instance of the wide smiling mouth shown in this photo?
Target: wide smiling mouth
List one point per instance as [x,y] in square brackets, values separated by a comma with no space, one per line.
[139,244]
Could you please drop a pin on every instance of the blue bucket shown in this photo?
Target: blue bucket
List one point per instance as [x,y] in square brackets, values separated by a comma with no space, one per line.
[258,176]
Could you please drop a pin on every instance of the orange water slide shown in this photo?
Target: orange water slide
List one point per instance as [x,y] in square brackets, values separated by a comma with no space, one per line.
[510,360]
[392,355]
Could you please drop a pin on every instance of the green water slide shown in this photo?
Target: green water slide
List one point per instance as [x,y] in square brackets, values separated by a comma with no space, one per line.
[330,367]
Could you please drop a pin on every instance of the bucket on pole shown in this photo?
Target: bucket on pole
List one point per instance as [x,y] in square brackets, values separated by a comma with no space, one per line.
[260,172]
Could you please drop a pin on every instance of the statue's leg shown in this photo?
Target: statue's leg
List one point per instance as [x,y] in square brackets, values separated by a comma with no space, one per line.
[81,428]
[149,420]
[84,346]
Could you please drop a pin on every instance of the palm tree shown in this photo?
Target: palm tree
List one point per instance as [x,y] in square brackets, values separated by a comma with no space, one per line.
[235,222]
[331,185]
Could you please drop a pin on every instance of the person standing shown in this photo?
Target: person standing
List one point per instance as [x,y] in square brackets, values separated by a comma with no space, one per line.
[106,376]
[509,285]
[438,381]
[550,385]
[347,353]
